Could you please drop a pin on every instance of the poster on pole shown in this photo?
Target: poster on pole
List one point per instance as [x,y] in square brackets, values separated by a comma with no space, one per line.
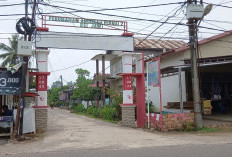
[153,73]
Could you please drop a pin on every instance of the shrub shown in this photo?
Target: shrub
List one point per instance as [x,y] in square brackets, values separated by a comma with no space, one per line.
[108,113]
[97,112]
[189,127]
[89,110]
[94,111]
[79,108]
[151,107]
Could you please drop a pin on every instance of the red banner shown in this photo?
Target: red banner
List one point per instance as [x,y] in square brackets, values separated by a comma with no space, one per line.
[128,83]
[42,83]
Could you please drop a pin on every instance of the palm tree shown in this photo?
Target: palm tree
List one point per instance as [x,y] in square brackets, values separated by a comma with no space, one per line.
[10,55]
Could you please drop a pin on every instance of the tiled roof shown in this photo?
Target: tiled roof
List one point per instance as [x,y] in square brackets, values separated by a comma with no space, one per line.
[157,44]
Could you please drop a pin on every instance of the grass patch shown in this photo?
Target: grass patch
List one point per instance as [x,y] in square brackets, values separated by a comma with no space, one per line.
[107,113]
[191,127]
[207,130]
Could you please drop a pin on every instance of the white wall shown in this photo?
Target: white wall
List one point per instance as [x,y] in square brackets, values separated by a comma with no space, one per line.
[170,90]
[173,59]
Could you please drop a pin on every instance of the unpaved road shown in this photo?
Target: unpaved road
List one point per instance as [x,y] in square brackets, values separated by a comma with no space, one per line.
[68,131]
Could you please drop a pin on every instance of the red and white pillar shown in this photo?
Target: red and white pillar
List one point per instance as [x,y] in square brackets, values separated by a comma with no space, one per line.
[128,106]
[41,108]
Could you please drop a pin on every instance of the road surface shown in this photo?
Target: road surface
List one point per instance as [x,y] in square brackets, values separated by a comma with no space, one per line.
[73,135]
[214,150]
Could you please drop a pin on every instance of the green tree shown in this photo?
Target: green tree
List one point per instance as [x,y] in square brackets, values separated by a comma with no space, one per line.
[56,84]
[84,90]
[10,56]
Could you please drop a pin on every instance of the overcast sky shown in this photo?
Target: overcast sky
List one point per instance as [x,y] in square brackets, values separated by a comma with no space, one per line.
[219,18]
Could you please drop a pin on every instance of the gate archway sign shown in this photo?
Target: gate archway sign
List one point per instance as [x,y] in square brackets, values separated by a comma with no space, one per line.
[124,43]
[64,40]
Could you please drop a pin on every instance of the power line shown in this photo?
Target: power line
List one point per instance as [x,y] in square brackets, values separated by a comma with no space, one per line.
[146,6]
[219,5]
[120,16]
[72,66]
[75,10]
[160,26]
[9,5]
[160,19]
[104,8]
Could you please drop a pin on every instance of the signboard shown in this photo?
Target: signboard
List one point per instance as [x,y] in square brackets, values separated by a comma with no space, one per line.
[42,82]
[24,48]
[65,40]
[48,20]
[10,83]
[128,83]
[153,73]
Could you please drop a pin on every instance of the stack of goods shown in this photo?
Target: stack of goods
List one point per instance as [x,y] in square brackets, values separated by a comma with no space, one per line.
[207,107]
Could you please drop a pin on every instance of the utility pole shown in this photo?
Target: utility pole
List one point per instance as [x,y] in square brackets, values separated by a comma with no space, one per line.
[61,81]
[194,69]
[23,84]
[20,107]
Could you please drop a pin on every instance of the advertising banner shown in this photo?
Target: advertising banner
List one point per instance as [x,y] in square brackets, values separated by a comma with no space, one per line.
[10,83]
[153,73]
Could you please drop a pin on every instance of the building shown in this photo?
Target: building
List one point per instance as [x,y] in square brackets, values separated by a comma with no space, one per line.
[149,47]
[215,73]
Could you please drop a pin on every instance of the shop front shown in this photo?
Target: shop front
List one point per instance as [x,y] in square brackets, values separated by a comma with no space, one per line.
[215,77]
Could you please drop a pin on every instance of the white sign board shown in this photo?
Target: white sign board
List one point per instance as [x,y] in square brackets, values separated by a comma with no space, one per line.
[84,41]
[24,48]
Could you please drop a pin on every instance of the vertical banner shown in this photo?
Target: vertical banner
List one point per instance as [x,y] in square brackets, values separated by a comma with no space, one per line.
[41,83]
[153,73]
[128,82]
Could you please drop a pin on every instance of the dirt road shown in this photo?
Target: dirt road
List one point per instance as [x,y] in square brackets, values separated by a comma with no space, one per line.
[68,131]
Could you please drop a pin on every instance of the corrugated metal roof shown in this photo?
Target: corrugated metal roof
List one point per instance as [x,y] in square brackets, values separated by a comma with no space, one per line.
[157,44]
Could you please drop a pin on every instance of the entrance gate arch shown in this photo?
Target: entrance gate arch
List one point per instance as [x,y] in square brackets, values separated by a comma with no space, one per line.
[123,43]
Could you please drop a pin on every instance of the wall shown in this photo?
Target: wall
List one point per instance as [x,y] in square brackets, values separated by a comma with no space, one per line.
[173,59]
[41,118]
[170,90]
[168,122]
[116,67]
[216,48]
[128,116]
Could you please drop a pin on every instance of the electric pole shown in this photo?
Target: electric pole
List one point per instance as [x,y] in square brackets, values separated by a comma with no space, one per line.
[61,81]
[192,22]
[21,103]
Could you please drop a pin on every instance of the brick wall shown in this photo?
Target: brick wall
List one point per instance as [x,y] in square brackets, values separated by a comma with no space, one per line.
[168,122]
[128,115]
[176,121]
[41,118]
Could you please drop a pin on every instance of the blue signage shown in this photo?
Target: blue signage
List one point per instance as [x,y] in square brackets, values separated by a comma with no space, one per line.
[10,83]
[153,73]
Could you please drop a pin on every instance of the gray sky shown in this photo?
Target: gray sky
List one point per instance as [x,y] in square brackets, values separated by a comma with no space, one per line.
[219,18]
